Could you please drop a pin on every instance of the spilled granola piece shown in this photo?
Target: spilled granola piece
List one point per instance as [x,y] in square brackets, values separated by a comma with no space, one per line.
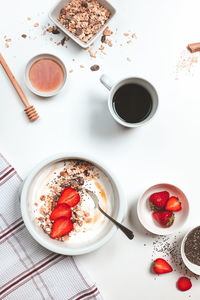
[92,54]
[103,38]
[107,32]
[55,31]
[94,68]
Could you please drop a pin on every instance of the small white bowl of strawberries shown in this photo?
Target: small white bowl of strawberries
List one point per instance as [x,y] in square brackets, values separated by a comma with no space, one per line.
[163,209]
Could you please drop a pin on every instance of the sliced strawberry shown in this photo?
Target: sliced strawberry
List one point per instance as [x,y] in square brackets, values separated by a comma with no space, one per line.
[184,284]
[61,210]
[157,200]
[173,204]
[164,218]
[69,196]
[160,266]
[61,227]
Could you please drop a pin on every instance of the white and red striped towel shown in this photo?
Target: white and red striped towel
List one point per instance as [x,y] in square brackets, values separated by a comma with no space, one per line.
[27,270]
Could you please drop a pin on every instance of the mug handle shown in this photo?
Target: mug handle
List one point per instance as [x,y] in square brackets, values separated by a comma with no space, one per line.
[106,81]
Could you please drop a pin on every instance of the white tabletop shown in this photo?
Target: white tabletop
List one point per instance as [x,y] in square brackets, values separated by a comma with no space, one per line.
[165,150]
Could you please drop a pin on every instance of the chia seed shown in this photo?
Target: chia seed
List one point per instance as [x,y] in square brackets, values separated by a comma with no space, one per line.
[192,246]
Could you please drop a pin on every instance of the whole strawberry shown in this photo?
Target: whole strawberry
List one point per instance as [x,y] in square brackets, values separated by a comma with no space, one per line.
[164,218]
[158,200]
[184,284]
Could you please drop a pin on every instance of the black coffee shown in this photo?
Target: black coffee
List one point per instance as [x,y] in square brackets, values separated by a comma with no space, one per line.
[132,103]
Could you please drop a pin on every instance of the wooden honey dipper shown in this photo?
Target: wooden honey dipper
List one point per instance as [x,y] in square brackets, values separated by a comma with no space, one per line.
[29,109]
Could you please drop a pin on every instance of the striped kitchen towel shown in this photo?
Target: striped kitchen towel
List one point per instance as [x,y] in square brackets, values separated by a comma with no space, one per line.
[29,271]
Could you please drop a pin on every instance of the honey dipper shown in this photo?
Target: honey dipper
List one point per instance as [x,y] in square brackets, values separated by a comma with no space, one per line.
[29,109]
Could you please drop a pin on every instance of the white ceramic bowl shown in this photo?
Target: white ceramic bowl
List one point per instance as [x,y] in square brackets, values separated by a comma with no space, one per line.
[118,208]
[145,214]
[28,82]
[54,13]
[192,267]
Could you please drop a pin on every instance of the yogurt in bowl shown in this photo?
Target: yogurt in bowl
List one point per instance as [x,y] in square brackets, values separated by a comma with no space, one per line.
[42,189]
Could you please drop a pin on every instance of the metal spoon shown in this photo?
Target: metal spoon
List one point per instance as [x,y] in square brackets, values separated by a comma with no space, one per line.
[124,229]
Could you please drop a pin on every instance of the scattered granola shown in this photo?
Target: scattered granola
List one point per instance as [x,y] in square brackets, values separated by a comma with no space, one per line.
[129,59]
[107,32]
[70,71]
[53,29]
[94,68]
[91,53]
[109,43]
[63,41]
[81,66]
[126,34]
[36,25]
[24,36]
[103,38]
[83,18]
[101,47]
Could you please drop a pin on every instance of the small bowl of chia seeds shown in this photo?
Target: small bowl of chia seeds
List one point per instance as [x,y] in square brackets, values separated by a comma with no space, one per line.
[190,250]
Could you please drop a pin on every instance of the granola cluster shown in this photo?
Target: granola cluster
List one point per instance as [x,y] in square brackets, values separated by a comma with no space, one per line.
[83,18]
[74,174]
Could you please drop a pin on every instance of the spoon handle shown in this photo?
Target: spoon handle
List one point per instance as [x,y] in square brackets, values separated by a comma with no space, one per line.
[124,229]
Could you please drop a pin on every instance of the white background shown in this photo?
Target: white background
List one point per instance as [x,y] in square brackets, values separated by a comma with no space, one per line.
[165,150]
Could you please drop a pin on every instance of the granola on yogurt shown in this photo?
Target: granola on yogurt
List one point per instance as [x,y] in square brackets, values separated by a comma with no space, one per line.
[76,175]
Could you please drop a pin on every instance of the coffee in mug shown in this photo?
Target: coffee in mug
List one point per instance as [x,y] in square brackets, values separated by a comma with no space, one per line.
[132,103]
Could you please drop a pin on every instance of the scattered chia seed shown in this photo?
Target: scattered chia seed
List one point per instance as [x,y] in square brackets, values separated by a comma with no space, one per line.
[168,247]
[86,173]
[80,181]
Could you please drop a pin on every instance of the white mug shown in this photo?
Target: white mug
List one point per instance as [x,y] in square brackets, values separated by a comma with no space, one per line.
[107,82]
